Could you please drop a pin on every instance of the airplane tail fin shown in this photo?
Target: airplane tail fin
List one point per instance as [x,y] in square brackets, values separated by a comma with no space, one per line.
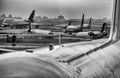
[70,22]
[90,22]
[103,27]
[31,17]
[82,22]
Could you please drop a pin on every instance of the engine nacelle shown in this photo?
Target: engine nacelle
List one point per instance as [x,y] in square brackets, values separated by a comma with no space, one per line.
[105,33]
[91,33]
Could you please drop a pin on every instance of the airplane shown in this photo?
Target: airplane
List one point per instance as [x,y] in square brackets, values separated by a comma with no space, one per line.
[78,28]
[12,22]
[102,61]
[94,34]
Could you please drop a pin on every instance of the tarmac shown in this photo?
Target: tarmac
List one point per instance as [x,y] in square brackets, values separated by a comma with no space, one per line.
[21,46]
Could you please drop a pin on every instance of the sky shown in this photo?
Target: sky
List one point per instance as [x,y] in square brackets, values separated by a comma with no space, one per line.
[53,8]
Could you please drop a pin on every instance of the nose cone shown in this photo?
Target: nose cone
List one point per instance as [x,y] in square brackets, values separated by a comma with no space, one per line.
[29,65]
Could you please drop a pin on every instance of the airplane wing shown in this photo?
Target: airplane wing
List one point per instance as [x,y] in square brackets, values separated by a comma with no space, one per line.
[43,59]
[2,50]
[63,51]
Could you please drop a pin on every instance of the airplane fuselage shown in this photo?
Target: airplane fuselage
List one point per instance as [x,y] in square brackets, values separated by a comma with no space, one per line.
[77,28]
[89,35]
